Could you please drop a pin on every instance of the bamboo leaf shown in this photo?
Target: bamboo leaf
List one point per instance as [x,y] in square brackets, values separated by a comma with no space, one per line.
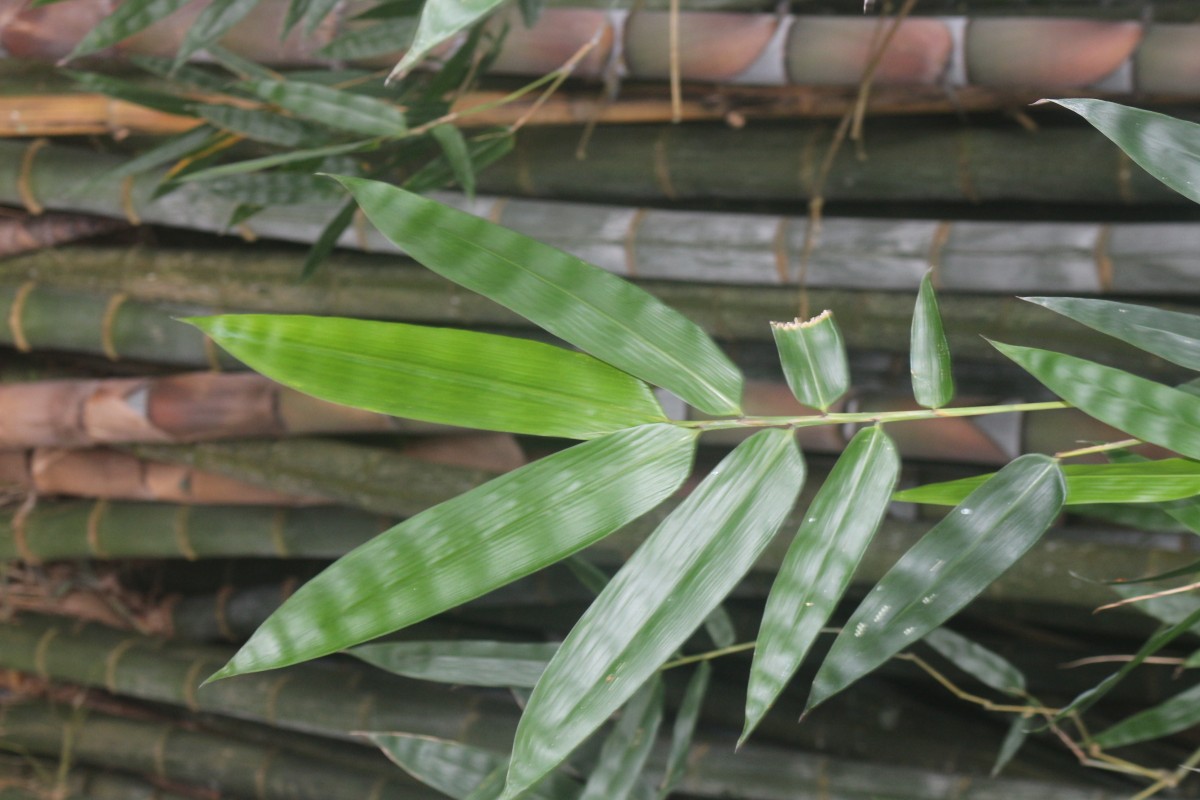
[440,20]
[127,19]
[953,563]
[818,566]
[661,595]
[1172,716]
[131,92]
[457,377]
[1147,518]
[684,729]
[259,125]
[1166,334]
[166,151]
[814,359]
[317,10]
[1018,732]
[466,547]
[391,9]
[1167,148]
[335,108]
[469,663]
[582,304]
[482,151]
[719,627]
[328,239]
[977,661]
[383,38]
[1140,482]
[277,160]
[929,352]
[192,77]
[1147,410]
[217,19]
[454,148]
[272,188]
[624,754]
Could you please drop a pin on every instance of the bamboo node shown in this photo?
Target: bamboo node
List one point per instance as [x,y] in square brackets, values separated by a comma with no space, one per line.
[25,178]
[93,528]
[160,753]
[278,529]
[662,166]
[106,325]
[181,533]
[966,183]
[15,312]
[260,774]
[271,711]
[1104,262]
[497,210]
[21,534]
[779,242]
[112,660]
[1124,176]
[190,682]
[127,205]
[360,229]
[363,712]
[941,235]
[221,603]
[211,355]
[39,653]
[377,789]
[630,243]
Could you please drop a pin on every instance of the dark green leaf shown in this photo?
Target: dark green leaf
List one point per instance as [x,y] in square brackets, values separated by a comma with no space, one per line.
[719,627]
[1018,732]
[929,352]
[1147,410]
[273,188]
[470,663]
[242,213]
[684,729]
[814,359]
[1177,714]
[818,566]
[260,126]
[382,38]
[296,11]
[627,747]
[278,160]
[132,93]
[661,595]
[213,22]
[190,76]
[1142,482]
[335,108]
[977,661]
[244,68]
[127,19]
[466,547]
[317,11]
[975,544]
[440,20]
[1178,572]
[530,11]
[476,380]
[582,304]
[454,148]
[328,239]
[167,151]
[1167,148]
[482,152]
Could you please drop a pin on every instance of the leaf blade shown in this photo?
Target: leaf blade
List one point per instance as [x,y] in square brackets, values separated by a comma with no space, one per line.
[440,20]
[684,728]
[333,107]
[813,357]
[929,352]
[464,662]
[627,747]
[127,19]
[1176,714]
[217,19]
[977,661]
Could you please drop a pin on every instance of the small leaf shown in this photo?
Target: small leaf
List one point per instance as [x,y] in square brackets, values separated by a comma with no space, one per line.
[977,661]
[328,239]
[592,577]
[132,93]
[1167,148]
[469,663]
[661,595]
[1141,482]
[592,309]
[391,9]
[167,151]
[530,11]
[814,359]
[1018,732]
[335,108]
[466,547]
[217,19]
[482,151]
[954,562]
[272,188]
[1147,410]
[627,747]
[383,38]
[457,377]
[839,525]
[243,68]
[127,19]
[1172,716]
[259,125]
[192,77]
[929,352]
[454,148]
[440,20]
[684,729]
[277,160]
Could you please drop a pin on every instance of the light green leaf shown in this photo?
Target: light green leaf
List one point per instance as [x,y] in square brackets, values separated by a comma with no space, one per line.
[1147,410]
[661,595]
[977,661]
[440,20]
[719,627]
[382,38]
[127,19]
[317,10]
[272,188]
[457,377]
[975,544]
[818,566]
[929,352]
[1166,334]
[277,160]
[259,125]
[1167,148]
[592,309]
[482,151]
[684,729]
[1141,482]
[1148,518]
[243,68]
[628,745]
[454,148]
[466,547]
[132,92]
[335,108]
[296,11]
[469,663]
[814,359]
[217,19]
[588,574]
[1172,716]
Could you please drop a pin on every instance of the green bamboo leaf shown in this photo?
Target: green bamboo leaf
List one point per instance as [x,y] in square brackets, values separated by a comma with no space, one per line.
[244,212]
[317,11]
[476,380]
[260,126]
[272,188]
[1192,661]
[127,19]
[454,148]
[662,594]
[466,547]
[818,566]
[624,754]
[588,574]
[977,661]
[1167,148]
[1146,518]
[440,20]
[191,77]
[383,38]
[217,19]
[684,729]
[530,11]
[335,108]
[929,352]
[1172,716]
[277,160]
[1018,732]
[592,309]
[1141,482]
[1163,637]
[719,627]
[1147,410]
[814,359]
[482,152]
[391,9]
[1179,572]
[1167,334]
[954,562]
[328,239]
[469,663]
[131,92]
[166,151]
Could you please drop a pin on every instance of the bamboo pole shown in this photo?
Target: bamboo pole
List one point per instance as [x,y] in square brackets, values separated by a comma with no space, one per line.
[21,233]
[52,780]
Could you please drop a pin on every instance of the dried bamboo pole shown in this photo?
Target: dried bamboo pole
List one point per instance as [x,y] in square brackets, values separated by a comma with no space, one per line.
[21,233]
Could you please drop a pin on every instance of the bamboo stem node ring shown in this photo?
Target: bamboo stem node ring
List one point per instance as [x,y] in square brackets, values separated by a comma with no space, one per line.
[271,711]
[221,618]
[16,310]
[191,680]
[93,528]
[630,243]
[260,774]
[181,533]
[160,753]
[107,344]
[21,535]
[278,529]
[25,178]
[1104,262]
[112,660]
[39,653]
[128,207]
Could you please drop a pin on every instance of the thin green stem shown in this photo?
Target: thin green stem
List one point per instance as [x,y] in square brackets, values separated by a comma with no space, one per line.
[1099,448]
[868,417]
